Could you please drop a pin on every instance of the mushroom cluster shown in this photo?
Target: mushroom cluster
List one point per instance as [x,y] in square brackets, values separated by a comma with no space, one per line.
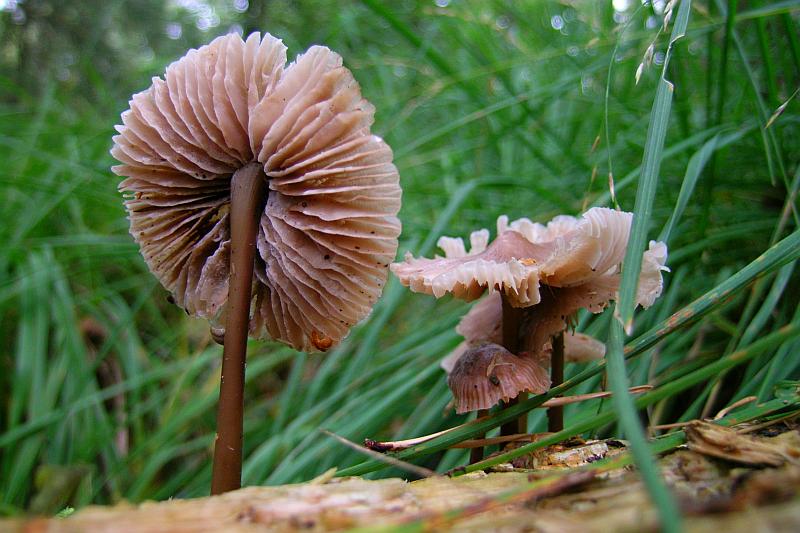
[539,277]
[327,229]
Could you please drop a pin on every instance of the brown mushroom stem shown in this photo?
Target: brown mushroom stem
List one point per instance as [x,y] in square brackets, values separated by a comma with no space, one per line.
[248,186]
[512,318]
[476,453]
[555,415]
[522,421]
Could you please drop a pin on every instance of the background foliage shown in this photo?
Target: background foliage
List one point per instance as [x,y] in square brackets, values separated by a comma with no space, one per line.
[520,108]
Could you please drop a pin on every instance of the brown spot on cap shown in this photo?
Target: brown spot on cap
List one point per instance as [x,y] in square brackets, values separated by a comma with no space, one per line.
[321,342]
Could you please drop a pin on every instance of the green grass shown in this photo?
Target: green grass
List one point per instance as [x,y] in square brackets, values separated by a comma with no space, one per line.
[490,110]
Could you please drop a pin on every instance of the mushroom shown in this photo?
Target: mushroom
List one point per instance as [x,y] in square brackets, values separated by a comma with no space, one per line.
[568,252]
[261,201]
[488,373]
[543,274]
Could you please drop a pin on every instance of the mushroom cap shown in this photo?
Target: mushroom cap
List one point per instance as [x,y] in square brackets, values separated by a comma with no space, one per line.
[567,252]
[328,229]
[488,373]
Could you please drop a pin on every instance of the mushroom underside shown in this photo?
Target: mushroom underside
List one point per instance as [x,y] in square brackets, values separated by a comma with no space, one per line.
[328,229]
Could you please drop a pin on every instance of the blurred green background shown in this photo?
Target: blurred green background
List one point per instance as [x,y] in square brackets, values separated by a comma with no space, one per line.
[521,108]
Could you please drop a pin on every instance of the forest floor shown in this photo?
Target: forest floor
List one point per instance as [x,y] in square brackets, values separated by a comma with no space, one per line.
[744,479]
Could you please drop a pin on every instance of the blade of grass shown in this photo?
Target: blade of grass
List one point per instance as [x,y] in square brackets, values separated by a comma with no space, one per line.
[629,178]
[669,513]
[606,121]
[693,171]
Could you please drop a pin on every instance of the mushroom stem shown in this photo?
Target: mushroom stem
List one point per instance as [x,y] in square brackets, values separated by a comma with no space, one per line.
[248,186]
[476,453]
[512,318]
[555,415]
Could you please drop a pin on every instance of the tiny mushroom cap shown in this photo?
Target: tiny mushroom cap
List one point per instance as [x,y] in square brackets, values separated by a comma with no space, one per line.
[328,228]
[486,374]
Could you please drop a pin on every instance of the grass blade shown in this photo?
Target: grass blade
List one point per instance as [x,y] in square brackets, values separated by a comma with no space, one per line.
[669,513]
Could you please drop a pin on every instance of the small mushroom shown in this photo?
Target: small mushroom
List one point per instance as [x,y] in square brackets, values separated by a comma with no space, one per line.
[486,374]
[542,275]
[260,199]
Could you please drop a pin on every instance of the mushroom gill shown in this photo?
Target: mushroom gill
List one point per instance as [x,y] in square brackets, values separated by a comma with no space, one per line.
[328,227]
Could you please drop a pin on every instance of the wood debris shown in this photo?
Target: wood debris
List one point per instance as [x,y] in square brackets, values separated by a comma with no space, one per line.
[714,492]
[726,443]
[569,454]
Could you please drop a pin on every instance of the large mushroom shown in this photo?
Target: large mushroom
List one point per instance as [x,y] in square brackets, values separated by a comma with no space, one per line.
[543,274]
[261,201]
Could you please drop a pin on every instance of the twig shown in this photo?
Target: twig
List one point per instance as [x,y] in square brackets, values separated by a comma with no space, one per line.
[388,459]
[519,437]
[768,423]
[669,426]
[724,412]
[566,400]
[397,445]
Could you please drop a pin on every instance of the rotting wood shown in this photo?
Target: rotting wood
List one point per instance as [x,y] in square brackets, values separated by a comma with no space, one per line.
[711,492]
[726,443]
